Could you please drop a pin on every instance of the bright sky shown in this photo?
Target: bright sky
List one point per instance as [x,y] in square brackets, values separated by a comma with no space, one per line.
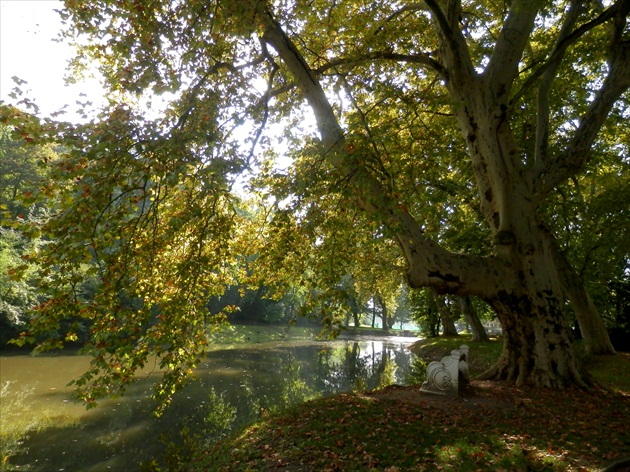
[27,50]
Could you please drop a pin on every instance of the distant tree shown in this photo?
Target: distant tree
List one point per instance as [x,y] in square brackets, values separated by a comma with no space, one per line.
[620,333]
[472,319]
[590,215]
[22,173]
[446,314]
[22,170]
[17,293]
[424,313]
[402,313]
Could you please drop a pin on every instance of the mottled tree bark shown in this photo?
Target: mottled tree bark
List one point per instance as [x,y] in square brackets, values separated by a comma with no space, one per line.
[538,345]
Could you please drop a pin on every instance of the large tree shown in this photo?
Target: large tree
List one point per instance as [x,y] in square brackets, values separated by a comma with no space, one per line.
[423,112]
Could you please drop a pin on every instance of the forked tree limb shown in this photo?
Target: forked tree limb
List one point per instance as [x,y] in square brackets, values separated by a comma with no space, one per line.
[503,65]
[552,172]
[429,263]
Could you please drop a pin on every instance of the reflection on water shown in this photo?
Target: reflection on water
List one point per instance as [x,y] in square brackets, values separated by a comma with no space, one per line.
[233,387]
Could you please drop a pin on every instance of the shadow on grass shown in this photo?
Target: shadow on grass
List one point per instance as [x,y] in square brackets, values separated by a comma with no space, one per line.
[397,429]
[524,430]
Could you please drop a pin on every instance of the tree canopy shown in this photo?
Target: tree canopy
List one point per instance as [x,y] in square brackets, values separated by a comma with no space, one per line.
[465,133]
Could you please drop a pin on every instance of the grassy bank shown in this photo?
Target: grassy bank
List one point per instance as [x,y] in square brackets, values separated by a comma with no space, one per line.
[494,427]
[480,357]
[252,334]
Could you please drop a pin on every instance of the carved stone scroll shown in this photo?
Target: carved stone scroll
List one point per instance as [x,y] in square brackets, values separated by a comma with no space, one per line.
[444,377]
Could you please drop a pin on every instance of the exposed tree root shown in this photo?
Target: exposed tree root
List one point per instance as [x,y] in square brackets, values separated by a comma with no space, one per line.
[578,377]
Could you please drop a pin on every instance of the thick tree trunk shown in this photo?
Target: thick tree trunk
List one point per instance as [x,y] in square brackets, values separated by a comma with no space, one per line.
[478,331]
[538,346]
[536,349]
[448,325]
[526,292]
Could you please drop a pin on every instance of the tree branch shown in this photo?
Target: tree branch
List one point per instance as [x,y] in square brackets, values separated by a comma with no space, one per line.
[422,59]
[429,263]
[552,172]
[329,128]
[413,7]
[444,25]
[195,89]
[503,65]
[558,53]
[542,117]
[458,65]
[265,103]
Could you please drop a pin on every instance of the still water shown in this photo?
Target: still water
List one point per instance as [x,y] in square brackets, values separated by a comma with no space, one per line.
[233,387]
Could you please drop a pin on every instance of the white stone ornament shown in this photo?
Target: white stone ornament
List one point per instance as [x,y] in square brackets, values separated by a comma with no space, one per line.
[445,376]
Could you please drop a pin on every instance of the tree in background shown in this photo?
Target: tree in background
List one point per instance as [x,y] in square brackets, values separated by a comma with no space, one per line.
[472,319]
[21,172]
[590,215]
[17,292]
[402,314]
[446,314]
[425,115]
[424,312]
[620,334]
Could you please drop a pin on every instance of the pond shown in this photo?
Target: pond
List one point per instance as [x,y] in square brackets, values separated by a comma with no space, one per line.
[233,387]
